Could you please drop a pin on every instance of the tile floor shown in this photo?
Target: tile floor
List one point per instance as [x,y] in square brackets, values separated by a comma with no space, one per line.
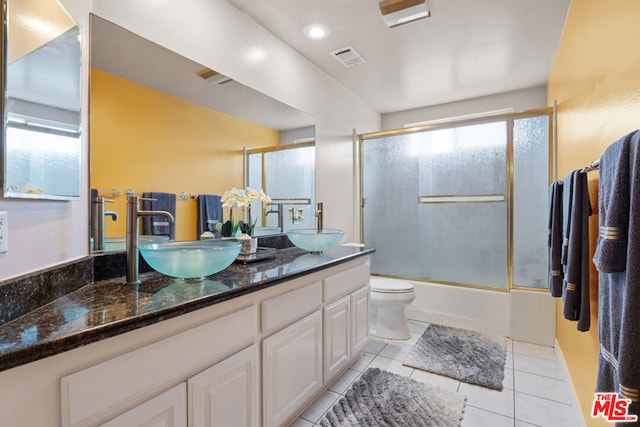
[534,392]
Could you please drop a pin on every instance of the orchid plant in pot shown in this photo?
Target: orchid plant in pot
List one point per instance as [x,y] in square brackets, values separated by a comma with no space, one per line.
[242,198]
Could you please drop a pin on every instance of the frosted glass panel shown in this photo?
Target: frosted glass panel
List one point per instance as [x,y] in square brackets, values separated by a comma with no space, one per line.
[391,217]
[42,163]
[255,171]
[530,182]
[463,161]
[464,243]
[436,203]
[290,174]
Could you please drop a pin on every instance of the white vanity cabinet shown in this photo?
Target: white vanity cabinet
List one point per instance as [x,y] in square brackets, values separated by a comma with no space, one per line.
[292,369]
[227,394]
[169,409]
[337,339]
[129,382]
[256,360]
[346,317]
[359,319]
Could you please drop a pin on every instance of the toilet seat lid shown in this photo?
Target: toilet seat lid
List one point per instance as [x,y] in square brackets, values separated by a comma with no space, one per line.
[390,286]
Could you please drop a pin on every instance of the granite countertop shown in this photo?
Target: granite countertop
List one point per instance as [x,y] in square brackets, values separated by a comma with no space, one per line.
[107,308]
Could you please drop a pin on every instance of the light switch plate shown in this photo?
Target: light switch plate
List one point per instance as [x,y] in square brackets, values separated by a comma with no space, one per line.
[4,232]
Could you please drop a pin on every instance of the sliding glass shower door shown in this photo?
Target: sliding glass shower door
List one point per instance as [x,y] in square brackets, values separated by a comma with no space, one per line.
[287,175]
[438,203]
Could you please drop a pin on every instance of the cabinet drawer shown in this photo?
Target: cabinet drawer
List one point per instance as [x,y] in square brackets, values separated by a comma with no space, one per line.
[345,282]
[285,309]
[98,392]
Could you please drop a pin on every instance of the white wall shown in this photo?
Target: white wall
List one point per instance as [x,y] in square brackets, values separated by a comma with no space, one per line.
[217,35]
[519,100]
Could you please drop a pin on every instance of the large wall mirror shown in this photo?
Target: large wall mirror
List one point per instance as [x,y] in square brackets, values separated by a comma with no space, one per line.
[41,147]
[160,122]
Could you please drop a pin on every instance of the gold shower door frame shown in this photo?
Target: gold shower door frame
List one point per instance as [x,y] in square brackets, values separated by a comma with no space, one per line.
[507,197]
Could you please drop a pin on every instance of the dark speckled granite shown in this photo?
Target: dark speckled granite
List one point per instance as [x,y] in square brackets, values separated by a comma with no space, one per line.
[24,294]
[107,308]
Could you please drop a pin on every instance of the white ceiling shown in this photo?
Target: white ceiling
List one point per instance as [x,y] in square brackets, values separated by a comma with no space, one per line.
[466,49]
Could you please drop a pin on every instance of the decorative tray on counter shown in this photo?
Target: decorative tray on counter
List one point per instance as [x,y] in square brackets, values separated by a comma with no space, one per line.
[259,255]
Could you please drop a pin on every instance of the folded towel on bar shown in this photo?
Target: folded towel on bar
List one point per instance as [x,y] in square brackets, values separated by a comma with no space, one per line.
[575,294]
[614,205]
[555,239]
[618,291]
[159,225]
[567,195]
[209,213]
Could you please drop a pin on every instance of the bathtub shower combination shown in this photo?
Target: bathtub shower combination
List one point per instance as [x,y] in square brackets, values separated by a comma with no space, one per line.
[460,203]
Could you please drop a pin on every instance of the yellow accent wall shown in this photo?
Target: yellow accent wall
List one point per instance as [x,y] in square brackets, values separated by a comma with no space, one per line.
[595,80]
[145,140]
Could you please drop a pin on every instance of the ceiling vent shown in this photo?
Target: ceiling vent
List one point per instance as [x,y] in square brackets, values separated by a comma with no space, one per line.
[400,12]
[348,56]
[212,76]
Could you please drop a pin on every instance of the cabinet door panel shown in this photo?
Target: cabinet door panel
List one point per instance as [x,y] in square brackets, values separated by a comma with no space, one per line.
[292,369]
[227,393]
[168,409]
[337,321]
[359,320]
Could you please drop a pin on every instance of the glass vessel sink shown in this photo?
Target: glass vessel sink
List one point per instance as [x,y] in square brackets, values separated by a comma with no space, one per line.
[313,240]
[119,243]
[191,259]
[265,231]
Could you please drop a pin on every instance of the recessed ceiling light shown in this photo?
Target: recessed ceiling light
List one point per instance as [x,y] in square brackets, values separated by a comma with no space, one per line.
[316,31]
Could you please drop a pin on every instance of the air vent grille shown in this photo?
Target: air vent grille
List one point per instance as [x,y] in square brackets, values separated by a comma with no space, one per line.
[348,56]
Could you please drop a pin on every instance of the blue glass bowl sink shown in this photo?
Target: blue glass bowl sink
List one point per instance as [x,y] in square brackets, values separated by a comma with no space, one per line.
[191,259]
[313,240]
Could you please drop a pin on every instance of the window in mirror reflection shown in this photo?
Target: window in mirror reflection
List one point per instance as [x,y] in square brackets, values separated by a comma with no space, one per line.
[287,175]
[42,102]
[44,161]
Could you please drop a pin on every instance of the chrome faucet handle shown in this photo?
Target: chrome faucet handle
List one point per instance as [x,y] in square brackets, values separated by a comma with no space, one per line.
[148,199]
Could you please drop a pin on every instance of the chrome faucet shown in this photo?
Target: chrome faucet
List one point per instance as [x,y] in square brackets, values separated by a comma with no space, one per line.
[97,221]
[278,212]
[319,215]
[133,215]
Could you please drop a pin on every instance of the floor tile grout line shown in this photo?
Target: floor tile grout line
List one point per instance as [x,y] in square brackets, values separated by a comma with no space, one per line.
[535,373]
[490,411]
[544,398]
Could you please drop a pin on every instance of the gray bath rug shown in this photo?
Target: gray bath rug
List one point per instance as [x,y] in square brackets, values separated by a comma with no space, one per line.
[473,357]
[381,398]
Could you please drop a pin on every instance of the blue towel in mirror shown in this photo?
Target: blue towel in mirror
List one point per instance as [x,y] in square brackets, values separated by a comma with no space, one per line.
[159,225]
[209,213]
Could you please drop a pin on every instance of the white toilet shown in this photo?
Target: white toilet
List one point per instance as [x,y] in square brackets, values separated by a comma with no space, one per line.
[389,297]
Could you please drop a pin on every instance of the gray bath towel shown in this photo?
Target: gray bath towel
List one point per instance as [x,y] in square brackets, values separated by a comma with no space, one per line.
[209,213]
[159,225]
[613,204]
[619,291]
[576,280]
[567,198]
[555,239]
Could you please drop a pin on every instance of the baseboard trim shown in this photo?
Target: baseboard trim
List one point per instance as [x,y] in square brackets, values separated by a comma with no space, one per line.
[575,404]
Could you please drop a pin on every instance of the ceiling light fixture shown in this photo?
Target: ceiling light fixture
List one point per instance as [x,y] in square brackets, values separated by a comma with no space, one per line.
[316,31]
[400,12]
